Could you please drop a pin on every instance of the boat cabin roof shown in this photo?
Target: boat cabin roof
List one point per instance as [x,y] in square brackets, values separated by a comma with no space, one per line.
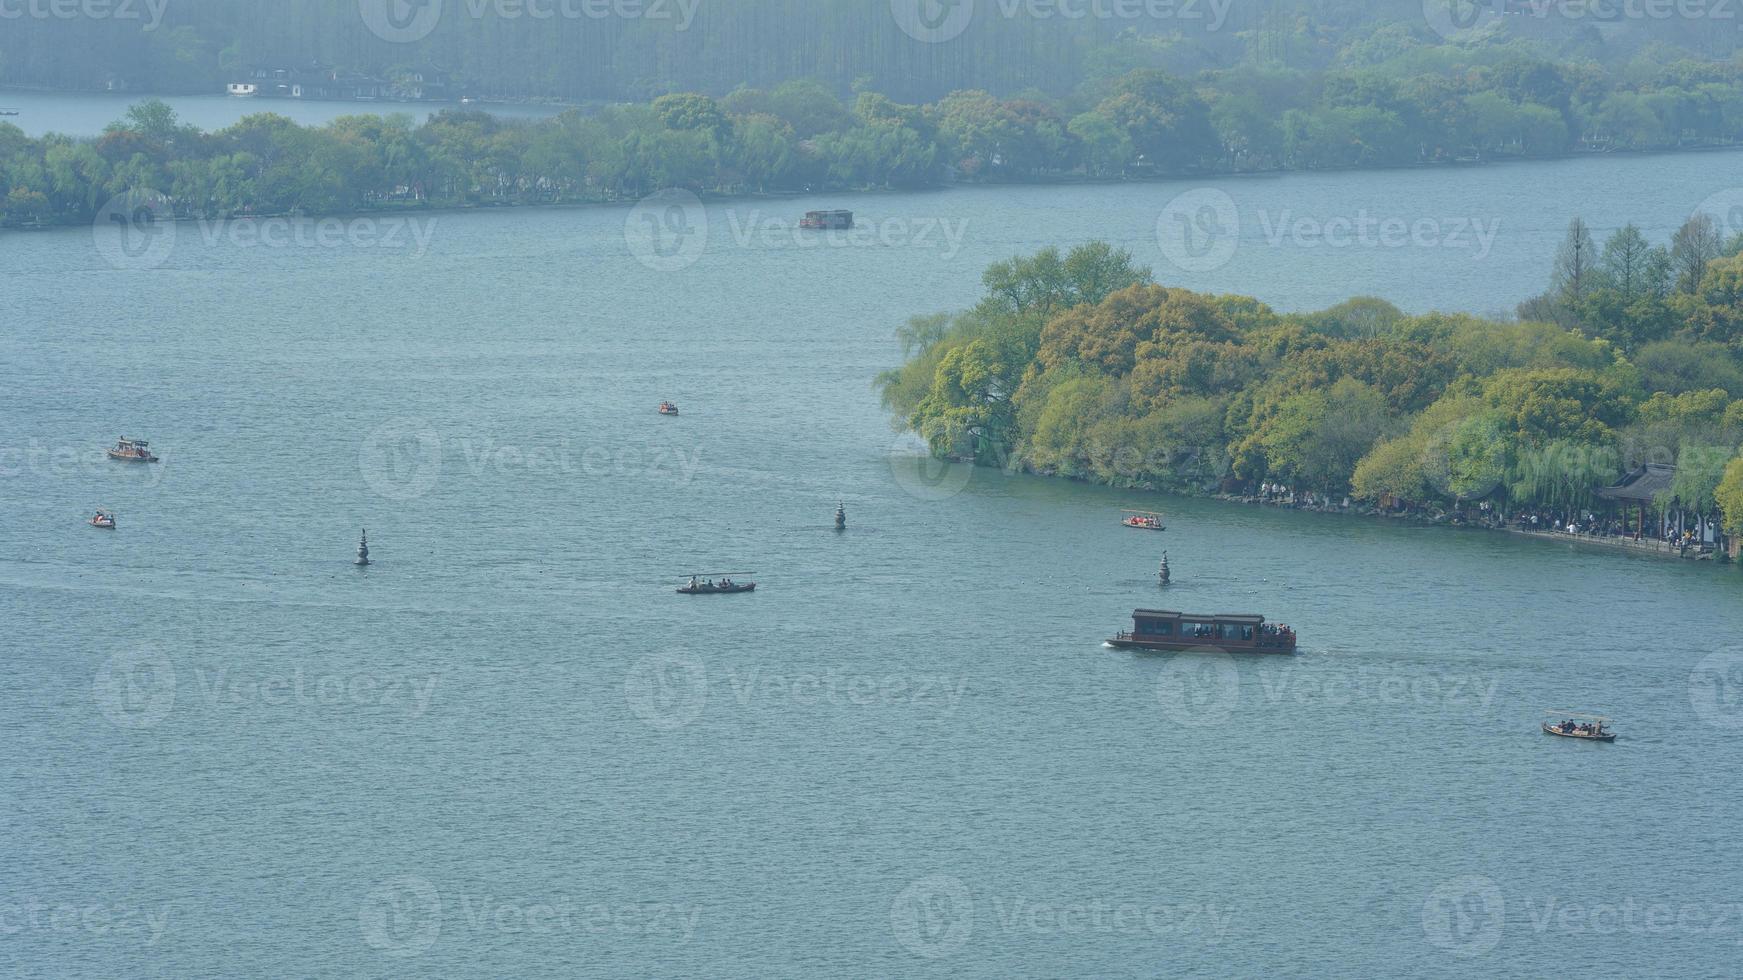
[1239,618]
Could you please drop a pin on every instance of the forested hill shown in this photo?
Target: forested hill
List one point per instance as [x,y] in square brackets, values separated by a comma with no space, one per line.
[638,49]
[1080,365]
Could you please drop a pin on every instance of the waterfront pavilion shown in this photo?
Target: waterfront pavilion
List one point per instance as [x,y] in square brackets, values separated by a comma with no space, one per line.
[1649,485]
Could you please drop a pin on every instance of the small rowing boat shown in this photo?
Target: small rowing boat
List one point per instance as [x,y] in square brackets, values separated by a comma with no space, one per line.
[132,451]
[1144,520]
[1589,728]
[104,520]
[704,584]
[667,408]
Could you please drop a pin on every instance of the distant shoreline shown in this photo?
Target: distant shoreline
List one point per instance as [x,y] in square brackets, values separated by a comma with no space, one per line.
[943,187]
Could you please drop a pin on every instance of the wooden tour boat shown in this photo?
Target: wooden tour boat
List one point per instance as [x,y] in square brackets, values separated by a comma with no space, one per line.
[103,519]
[1144,520]
[1575,725]
[667,408]
[827,220]
[132,451]
[706,584]
[1159,629]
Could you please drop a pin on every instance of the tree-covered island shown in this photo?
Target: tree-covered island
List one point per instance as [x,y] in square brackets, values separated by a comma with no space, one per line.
[1079,365]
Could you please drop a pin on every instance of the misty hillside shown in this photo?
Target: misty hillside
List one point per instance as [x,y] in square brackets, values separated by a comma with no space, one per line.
[615,50]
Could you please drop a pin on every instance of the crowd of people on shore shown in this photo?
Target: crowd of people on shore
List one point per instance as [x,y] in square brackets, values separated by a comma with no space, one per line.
[1588,524]
[1484,513]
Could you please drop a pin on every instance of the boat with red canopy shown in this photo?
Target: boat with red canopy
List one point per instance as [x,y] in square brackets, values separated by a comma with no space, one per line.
[1144,520]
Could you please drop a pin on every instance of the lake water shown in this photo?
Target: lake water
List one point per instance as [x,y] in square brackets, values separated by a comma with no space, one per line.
[509,749]
[87,114]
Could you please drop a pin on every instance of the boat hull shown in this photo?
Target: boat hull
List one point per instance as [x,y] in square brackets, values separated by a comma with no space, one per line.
[1607,737]
[128,458]
[1186,646]
[735,590]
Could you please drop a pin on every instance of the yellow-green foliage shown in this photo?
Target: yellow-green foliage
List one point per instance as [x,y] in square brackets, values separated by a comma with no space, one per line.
[1147,383]
[1730,497]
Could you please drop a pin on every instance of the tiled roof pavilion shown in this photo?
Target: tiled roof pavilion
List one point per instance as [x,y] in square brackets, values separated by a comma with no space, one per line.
[1644,485]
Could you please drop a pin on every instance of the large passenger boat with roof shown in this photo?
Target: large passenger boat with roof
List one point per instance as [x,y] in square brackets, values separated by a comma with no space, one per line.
[1160,629]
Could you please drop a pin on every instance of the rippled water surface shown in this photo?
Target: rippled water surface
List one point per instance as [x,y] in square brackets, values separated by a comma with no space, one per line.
[508,749]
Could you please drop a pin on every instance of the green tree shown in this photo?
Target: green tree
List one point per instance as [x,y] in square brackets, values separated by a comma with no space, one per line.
[1729,495]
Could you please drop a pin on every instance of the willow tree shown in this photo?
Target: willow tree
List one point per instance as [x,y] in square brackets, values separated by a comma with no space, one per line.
[1562,475]
[1729,495]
